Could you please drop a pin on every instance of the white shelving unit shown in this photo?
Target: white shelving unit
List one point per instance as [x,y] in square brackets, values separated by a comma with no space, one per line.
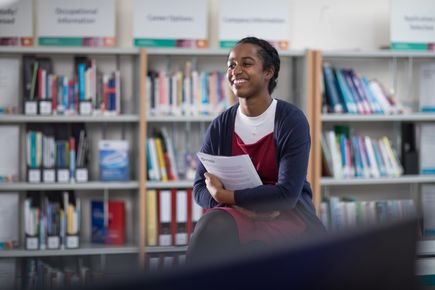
[125,125]
[398,69]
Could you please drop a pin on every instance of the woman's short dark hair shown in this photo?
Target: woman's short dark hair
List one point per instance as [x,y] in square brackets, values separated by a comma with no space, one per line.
[269,56]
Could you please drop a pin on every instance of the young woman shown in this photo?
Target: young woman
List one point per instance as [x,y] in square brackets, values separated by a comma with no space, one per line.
[275,134]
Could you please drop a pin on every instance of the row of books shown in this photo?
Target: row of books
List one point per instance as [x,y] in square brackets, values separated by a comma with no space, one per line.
[190,93]
[52,220]
[41,274]
[63,151]
[49,151]
[171,217]
[341,214]
[347,91]
[355,156]
[87,92]
[164,163]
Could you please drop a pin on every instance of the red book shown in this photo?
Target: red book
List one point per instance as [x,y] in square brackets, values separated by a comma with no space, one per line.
[173,215]
[116,227]
[168,166]
[159,224]
[54,92]
[41,83]
[189,225]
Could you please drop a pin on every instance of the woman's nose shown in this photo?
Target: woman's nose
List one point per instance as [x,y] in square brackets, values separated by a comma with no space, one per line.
[237,69]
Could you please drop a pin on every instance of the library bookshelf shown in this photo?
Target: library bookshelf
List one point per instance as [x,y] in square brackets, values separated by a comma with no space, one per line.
[399,71]
[134,123]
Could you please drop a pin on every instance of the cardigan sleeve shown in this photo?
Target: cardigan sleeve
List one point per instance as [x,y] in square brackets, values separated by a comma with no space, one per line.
[200,192]
[293,145]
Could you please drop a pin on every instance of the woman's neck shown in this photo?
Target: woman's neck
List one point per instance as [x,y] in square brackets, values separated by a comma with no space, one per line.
[253,107]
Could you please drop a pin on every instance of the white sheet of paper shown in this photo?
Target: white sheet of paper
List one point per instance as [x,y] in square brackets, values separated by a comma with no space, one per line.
[235,172]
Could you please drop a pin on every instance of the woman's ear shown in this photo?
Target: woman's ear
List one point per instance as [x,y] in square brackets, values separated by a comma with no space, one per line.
[268,73]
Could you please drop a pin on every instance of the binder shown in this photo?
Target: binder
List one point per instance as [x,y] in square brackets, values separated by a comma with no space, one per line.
[151,218]
[181,218]
[165,217]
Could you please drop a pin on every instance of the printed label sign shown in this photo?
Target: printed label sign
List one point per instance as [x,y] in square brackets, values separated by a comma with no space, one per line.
[413,24]
[76,23]
[266,19]
[170,23]
[16,24]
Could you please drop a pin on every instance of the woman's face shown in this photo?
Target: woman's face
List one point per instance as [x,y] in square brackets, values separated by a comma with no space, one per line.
[245,72]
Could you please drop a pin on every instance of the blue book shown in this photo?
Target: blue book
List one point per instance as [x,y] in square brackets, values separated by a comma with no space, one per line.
[114,160]
[357,157]
[353,91]
[372,99]
[97,222]
[81,67]
[346,95]
[378,157]
[332,94]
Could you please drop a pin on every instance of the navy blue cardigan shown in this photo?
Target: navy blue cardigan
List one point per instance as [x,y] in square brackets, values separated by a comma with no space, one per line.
[292,139]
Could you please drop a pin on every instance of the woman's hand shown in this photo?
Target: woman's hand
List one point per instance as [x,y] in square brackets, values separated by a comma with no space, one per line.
[217,190]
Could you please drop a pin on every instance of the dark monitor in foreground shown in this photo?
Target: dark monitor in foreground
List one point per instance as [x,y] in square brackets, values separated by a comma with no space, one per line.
[376,258]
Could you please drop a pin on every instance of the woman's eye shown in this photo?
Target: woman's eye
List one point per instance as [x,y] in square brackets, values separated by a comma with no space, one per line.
[231,66]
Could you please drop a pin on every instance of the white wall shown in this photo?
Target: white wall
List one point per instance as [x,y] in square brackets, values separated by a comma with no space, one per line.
[320,24]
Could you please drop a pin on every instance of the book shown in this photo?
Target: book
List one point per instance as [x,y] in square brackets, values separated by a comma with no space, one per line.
[116,223]
[331,89]
[108,228]
[165,217]
[235,172]
[181,236]
[427,147]
[151,217]
[348,100]
[114,160]
[98,227]
[427,88]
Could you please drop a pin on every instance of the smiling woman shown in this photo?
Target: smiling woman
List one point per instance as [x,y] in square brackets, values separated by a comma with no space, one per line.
[275,135]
